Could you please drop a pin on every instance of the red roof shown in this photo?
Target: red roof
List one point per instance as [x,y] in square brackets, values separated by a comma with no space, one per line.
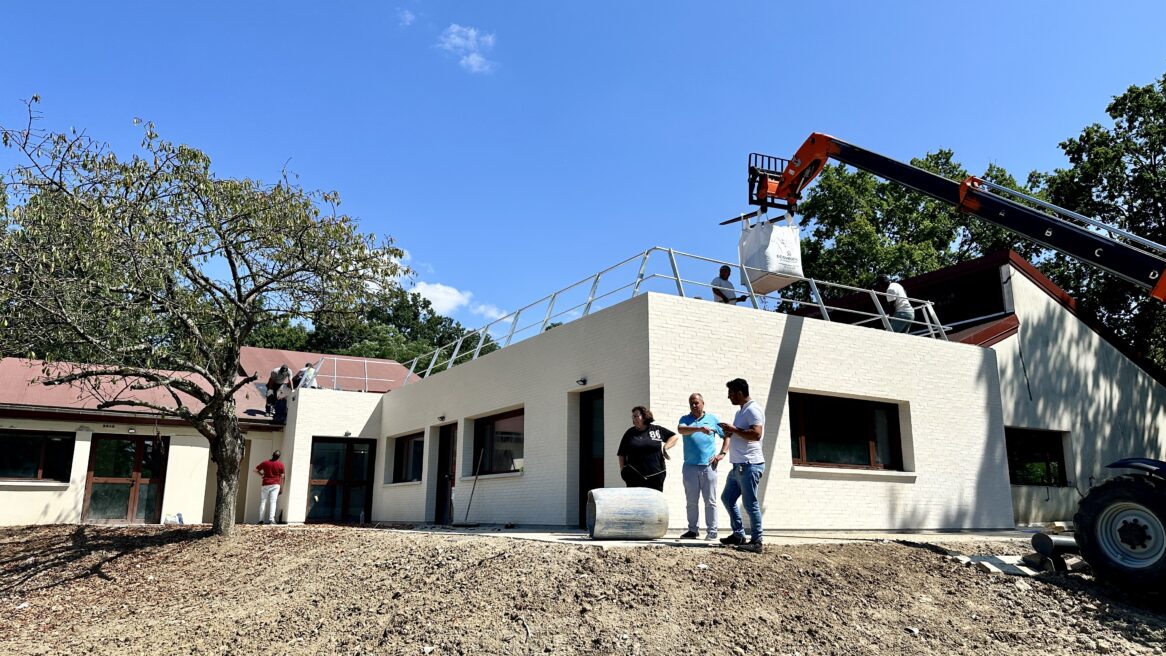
[342,372]
[988,334]
[21,391]
[22,395]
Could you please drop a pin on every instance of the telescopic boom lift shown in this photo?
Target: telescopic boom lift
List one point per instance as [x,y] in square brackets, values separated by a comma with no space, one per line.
[1120,526]
[777,182]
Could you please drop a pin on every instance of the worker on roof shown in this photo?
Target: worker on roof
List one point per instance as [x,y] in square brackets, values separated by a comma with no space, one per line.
[723,289]
[897,303]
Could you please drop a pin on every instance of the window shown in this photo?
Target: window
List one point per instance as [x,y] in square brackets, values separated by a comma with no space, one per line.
[1035,457]
[407,457]
[498,444]
[36,455]
[839,432]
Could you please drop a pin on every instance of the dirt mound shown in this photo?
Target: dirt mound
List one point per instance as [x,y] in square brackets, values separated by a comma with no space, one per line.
[82,590]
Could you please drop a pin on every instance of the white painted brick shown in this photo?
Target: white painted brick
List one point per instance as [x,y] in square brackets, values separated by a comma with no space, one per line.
[645,351]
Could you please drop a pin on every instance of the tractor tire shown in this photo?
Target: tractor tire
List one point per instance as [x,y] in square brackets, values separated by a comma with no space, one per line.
[1121,529]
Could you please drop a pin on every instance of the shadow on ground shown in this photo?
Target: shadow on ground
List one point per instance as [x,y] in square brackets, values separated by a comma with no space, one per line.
[33,558]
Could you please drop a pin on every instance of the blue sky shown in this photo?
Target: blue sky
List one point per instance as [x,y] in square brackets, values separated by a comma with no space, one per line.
[513,148]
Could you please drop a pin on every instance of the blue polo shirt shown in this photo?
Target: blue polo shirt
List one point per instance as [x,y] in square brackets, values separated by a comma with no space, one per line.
[698,447]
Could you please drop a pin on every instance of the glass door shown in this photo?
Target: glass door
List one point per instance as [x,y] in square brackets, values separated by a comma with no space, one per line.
[125,480]
[339,485]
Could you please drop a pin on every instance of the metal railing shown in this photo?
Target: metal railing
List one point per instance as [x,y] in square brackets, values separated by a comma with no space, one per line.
[329,367]
[610,286]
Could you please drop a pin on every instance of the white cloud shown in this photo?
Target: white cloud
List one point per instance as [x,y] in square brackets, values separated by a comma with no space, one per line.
[476,63]
[469,44]
[406,17]
[488,311]
[445,299]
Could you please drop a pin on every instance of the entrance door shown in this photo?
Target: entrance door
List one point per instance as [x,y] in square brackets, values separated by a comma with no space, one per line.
[125,480]
[590,447]
[340,483]
[446,467]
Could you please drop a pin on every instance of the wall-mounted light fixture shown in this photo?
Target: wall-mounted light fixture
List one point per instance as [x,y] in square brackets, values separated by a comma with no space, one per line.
[582,381]
[347,433]
[131,430]
[440,417]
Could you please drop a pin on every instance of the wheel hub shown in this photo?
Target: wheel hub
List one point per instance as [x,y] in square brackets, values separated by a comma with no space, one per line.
[1134,534]
[1131,535]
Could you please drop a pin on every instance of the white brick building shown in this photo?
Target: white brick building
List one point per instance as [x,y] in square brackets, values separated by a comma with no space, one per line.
[865,429]
[644,351]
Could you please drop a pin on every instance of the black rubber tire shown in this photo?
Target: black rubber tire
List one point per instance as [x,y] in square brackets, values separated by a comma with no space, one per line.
[1146,491]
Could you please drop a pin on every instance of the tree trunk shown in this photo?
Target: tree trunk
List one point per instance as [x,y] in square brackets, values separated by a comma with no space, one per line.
[228,454]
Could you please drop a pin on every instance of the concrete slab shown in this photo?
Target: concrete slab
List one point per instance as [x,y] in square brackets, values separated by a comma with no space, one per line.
[773,538]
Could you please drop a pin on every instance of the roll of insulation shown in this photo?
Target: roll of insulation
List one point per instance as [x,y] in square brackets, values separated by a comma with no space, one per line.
[626,513]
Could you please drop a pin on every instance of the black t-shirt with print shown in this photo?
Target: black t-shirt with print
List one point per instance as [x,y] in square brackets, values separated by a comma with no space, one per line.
[642,451]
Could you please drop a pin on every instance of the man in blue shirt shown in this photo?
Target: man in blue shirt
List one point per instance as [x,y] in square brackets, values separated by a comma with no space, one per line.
[701,431]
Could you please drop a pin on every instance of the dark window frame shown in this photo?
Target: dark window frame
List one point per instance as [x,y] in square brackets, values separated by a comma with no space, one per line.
[801,404]
[487,466]
[402,446]
[45,437]
[1053,452]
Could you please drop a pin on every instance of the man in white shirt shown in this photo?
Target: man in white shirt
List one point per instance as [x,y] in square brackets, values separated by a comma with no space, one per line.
[723,289]
[748,463]
[902,314]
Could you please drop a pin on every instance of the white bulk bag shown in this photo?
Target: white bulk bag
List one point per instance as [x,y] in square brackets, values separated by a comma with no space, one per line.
[770,254]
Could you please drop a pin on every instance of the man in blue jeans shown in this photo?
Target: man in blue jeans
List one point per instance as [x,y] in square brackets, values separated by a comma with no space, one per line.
[748,463]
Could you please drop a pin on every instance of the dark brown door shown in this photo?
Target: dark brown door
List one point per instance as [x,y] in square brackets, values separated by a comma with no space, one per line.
[590,447]
[446,467]
[125,480]
[340,483]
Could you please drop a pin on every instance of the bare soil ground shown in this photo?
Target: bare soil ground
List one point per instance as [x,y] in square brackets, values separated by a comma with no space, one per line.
[324,590]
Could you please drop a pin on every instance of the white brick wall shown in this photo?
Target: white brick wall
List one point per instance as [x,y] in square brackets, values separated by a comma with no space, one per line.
[608,348]
[952,422]
[318,413]
[1058,374]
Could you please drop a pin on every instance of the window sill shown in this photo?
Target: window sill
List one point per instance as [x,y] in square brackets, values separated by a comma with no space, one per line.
[1043,485]
[847,474]
[16,484]
[401,483]
[513,474]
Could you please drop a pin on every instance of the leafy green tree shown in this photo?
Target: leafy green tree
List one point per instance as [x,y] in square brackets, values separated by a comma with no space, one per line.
[153,272]
[1117,174]
[861,225]
[401,325]
[423,330]
[280,333]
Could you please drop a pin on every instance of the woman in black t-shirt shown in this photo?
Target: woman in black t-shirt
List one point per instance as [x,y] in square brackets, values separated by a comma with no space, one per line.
[641,451]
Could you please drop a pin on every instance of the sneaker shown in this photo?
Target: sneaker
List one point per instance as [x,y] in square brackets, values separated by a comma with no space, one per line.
[751,547]
[689,535]
[710,537]
[733,540]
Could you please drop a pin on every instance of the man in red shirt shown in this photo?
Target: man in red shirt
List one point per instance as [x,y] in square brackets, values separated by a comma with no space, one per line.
[272,473]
